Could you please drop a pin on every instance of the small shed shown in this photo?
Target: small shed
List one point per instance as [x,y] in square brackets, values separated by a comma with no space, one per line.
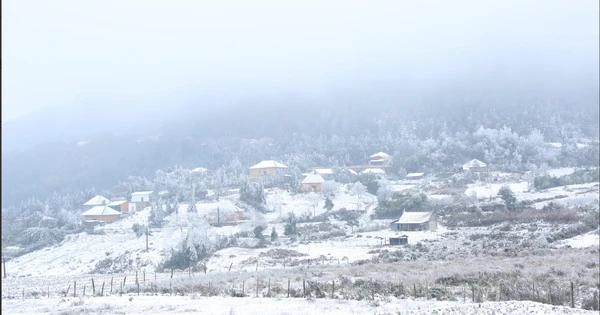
[414,176]
[415,221]
[101,213]
[400,240]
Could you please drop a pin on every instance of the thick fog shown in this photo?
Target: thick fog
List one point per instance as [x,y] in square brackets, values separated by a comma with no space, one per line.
[93,66]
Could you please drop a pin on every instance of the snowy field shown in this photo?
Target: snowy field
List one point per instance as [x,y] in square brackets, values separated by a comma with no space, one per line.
[590,239]
[240,306]
[487,190]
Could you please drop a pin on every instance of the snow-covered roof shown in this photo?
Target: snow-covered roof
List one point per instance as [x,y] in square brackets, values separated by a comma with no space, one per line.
[313,179]
[324,171]
[101,210]
[199,170]
[414,217]
[555,144]
[226,205]
[117,203]
[373,171]
[138,193]
[268,164]
[414,174]
[97,200]
[474,163]
[353,172]
[381,154]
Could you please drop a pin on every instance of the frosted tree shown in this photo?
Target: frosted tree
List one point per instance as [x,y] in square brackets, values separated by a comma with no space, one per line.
[328,204]
[330,188]
[358,189]
[507,195]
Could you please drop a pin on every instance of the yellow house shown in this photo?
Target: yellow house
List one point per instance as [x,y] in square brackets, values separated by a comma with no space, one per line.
[266,168]
[312,182]
[102,213]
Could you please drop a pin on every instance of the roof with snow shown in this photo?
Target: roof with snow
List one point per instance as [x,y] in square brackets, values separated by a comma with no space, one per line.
[97,200]
[414,217]
[144,193]
[199,170]
[102,210]
[268,164]
[313,179]
[353,172]
[415,174]
[381,155]
[226,205]
[324,171]
[117,203]
[474,163]
[373,171]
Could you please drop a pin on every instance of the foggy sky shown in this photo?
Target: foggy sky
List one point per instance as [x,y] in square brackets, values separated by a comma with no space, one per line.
[130,54]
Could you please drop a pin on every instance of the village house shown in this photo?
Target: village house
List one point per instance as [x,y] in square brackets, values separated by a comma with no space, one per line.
[380,158]
[326,173]
[227,213]
[120,205]
[475,166]
[101,214]
[414,176]
[266,168]
[415,221]
[140,200]
[96,201]
[312,182]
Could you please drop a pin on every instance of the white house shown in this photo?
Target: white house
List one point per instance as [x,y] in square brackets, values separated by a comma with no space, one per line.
[140,200]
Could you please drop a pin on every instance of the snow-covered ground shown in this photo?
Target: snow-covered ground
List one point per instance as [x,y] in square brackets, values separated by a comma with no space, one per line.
[488,190]
[590,239]
[239,306]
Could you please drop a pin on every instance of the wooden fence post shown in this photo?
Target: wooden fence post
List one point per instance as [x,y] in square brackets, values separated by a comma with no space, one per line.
[426,291]
[171,273]
[303,287]
[75,289]
[572,297]
[473,293]
[144,272]
[123,286]
[243,287]
[231,265]
[533,292]
[102,291]
[93,288]
[288,287]
[48,291]
[111,282]
[257,284]
[136,277]
[138,287]
[154,275]
[67,293]
[84,289]
[269,288]
[333,289]
[23,293]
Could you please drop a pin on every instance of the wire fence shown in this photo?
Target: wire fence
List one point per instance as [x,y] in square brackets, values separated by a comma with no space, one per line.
[293,285]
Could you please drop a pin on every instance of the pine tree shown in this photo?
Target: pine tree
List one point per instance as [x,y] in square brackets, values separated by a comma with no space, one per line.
[328,204]
[290,225]
[507,195]
[273,235]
